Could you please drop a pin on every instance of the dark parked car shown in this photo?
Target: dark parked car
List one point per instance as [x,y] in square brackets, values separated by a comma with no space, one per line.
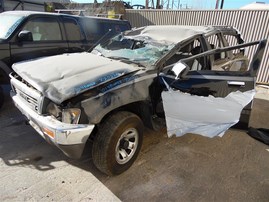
[187,77]
[27,35]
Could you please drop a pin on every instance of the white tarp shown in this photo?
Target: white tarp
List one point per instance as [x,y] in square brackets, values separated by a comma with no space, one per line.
[207,116]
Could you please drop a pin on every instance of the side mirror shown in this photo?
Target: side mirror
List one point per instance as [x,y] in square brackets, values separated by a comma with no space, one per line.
[180,69]
[25,36]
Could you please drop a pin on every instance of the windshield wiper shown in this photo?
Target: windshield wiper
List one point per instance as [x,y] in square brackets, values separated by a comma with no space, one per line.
[117,58]
[98,52]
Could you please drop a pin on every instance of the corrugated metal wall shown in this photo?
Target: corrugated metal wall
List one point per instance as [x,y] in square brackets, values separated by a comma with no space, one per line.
[253,25]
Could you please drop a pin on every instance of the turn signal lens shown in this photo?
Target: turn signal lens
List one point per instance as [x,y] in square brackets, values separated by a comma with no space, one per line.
[71,115]
[48,132]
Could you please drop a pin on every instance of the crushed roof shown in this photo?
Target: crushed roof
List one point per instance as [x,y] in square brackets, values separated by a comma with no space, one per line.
[169,33]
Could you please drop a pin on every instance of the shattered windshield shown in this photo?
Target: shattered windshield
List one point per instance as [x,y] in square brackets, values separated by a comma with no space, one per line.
[8,23]
[142,52]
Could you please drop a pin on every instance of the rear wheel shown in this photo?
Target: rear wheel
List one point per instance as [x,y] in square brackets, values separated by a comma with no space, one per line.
[118,142]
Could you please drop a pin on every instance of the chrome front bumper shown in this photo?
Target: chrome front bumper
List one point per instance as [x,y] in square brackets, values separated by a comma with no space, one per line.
[70,138]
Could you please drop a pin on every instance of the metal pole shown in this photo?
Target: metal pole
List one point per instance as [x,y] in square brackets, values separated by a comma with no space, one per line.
[221,4]
[217,4]
[158,4]
[152,3]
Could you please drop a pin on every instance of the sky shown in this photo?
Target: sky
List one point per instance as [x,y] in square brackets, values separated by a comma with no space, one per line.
[198,4]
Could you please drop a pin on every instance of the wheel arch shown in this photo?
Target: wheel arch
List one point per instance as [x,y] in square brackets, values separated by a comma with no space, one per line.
[4,73]
[143,109]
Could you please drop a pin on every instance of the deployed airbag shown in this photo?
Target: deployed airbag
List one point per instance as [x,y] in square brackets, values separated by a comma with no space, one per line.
[207,116]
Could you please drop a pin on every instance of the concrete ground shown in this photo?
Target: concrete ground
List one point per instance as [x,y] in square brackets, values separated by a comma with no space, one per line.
[189,168]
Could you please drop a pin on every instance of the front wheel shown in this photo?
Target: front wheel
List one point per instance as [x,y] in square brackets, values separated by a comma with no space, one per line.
[118,142]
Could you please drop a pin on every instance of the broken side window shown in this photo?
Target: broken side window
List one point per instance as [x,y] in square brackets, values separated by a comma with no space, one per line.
[229,60]
[216,41]
[240,61]
[187,50]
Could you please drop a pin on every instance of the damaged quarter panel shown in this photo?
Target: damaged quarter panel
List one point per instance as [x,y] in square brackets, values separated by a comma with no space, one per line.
[117,93]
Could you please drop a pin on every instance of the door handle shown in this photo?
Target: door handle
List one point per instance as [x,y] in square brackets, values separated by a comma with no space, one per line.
[236,83]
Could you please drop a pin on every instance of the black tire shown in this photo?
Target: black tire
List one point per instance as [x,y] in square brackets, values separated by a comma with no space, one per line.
[121,133]
[2,97]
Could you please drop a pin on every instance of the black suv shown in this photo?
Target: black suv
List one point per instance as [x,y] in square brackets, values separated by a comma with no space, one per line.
[26,35]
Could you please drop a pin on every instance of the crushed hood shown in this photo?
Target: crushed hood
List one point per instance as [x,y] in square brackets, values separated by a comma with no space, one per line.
[64,76]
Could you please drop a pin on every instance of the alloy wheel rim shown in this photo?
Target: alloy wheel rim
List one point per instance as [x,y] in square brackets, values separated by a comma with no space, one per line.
[126,145]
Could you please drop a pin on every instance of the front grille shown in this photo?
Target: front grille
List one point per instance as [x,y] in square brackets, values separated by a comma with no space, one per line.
[32,102]
[31,96]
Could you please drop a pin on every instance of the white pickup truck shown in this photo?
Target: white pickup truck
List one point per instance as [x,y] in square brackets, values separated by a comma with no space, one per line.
[175,75]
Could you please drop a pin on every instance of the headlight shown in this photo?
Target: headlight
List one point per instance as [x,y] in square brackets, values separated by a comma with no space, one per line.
[71,115]
[54,110]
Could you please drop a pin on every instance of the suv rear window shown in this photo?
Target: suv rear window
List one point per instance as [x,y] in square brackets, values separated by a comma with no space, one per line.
[71,24]
[96,28]
[93,28]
